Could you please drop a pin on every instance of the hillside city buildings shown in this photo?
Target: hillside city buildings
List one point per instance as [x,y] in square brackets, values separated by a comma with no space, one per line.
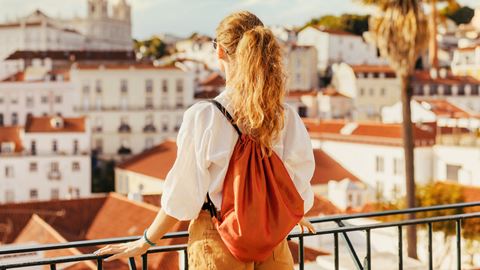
[74,97]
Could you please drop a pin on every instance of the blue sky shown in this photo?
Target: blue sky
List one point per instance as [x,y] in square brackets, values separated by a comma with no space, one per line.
[182,17]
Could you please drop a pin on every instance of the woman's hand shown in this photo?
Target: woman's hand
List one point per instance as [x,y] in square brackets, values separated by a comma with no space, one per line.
[124,250]
[305,223]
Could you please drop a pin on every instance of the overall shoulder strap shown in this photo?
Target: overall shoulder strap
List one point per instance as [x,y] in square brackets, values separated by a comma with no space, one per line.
[226,114]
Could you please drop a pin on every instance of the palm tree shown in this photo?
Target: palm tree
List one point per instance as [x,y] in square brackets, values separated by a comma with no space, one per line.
[400,32]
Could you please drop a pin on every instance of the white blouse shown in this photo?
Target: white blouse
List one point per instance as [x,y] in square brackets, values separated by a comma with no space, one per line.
[205,144]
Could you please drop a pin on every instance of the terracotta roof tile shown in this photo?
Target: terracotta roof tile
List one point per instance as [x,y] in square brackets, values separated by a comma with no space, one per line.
[45,124]
[450,79]
[299,93]
[124,66]
[39,231]
[214,80]
[369,132]
[442,107]
[372,69]
[322,206]
[155,162]
[327,168]
[75,55]
[12,134]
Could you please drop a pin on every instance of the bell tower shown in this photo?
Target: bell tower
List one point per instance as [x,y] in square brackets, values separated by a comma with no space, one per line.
[97,9]
[122,11]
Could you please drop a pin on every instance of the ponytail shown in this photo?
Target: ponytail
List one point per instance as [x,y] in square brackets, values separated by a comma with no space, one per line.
[257,80]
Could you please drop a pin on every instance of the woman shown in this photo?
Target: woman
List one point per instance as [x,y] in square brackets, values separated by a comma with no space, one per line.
[251,59]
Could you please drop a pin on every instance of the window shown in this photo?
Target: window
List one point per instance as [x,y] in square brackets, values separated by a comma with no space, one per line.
[179,86]
[124,86]
[1,119]
[165,123]
[98,86]
[75,166]
[9,171]
[74,192]
[398,166]
[33,167]
[33,194]
[362,92]
[14,100]
[29,101]
[382,92]
[1,100]
[14,119]
[75,146]
[371,92]
[149,102]
[54,146]
[179,102]
[33,147]
[379,164]
[99,145]
[58,99]
[165,86]
[86,89]
[44,99]
[54,194]
[149,86]
[9,196]
[452,172]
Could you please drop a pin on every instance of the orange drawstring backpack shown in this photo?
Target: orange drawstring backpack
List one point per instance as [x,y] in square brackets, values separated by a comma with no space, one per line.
[260,202]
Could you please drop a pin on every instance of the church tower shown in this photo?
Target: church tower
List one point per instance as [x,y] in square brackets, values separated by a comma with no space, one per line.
[97,9]
[122,11]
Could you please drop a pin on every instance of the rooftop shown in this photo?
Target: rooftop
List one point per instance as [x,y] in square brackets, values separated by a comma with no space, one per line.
[155,162]
[55,124]
[368,132]
[12,134]
[73,55]
[328,169]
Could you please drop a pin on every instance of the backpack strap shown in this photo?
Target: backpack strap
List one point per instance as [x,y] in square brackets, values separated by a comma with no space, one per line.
[226,114]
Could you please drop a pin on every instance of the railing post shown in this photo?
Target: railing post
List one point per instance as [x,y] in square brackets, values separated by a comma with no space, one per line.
[144,261]
[459,243]
[368,258]
[400,248]
[335,247]
[131,264]
[99,263]
[300,253]
[185,258]
[430,248]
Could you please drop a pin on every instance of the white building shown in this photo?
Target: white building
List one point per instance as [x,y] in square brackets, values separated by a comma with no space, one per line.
[48,159]
[99,30]
[144,174]
[131,107]
[339,46]
[334,105]
[463,91]
[300,66]
[370,87]
[374,152]
[198,48]
[36,91]
[466,61]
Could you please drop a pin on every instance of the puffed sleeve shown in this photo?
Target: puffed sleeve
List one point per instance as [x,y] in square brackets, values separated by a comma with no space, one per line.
[298,156]
[186,184]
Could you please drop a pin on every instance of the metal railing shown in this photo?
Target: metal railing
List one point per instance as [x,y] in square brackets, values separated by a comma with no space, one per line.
[342,230]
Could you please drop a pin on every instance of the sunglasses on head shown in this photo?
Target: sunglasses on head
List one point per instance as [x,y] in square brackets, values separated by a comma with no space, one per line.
[214,43]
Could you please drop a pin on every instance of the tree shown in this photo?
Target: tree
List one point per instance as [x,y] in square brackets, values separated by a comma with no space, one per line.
[355,24]
[400,32]
[458,14]
[151,49]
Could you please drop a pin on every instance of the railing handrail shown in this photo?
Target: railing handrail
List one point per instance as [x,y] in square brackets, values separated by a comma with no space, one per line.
[182,247]
[181,234]
[394,212]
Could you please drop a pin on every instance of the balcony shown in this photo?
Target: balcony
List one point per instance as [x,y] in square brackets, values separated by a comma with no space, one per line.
[342,231]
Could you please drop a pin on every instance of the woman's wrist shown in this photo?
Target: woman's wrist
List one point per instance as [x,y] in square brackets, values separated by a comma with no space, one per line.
[146,240]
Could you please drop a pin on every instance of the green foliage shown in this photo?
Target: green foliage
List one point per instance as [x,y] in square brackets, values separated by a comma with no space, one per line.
[356,24]
[151,49]
[460,15]
[438,193]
